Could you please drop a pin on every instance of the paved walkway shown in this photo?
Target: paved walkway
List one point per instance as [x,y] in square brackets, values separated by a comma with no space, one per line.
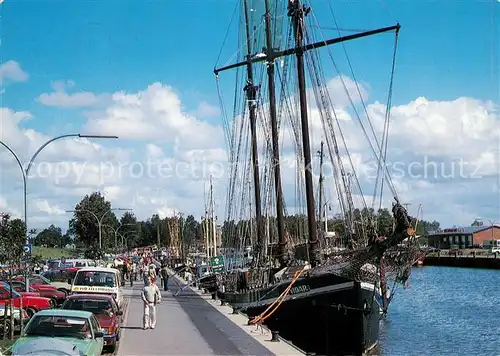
[186,325]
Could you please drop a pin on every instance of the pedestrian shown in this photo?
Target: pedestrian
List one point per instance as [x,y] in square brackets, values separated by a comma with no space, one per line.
[150,296]
[164,276]
[145,274]
[152,272]
[134,271]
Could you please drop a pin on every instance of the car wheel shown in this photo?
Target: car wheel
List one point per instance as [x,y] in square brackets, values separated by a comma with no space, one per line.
[30,311]
[53,302]
[64,291]
[7,328]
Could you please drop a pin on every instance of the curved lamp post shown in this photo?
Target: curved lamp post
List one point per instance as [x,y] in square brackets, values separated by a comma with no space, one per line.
[25,172]
[116,231]
[99,219]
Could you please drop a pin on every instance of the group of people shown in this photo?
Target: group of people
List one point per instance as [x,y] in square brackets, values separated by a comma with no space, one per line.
[151,294]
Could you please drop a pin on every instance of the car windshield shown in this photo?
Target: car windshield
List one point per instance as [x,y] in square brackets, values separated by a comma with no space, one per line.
[98,279]
[59,326]
[96,306]
[40,278]
[13,293]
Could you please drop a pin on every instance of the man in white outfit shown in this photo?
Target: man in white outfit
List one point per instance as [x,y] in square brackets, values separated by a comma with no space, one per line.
[150,296]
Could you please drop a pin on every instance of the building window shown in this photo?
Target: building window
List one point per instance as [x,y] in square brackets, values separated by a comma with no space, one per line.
[469,240]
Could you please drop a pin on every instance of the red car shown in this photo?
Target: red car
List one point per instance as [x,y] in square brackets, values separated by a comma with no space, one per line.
[105,309]
[51,292]
[30,303]
[40,282]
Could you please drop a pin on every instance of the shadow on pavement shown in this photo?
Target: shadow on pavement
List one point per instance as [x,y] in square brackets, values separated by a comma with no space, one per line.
[223,336]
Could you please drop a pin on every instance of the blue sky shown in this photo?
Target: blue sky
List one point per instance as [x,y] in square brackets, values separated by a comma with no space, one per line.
[447,49]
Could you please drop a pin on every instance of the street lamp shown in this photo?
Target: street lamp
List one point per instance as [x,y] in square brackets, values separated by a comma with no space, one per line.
[99,219]
[25,172]
[116,231]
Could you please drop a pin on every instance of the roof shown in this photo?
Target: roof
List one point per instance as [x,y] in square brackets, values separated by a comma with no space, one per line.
[90,296]
[462,230]
[65,312]
[98,269]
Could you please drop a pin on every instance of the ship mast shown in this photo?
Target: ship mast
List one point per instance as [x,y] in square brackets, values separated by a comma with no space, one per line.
[297,12]
[251,92]
[213,217]
[275,138]
[320,198]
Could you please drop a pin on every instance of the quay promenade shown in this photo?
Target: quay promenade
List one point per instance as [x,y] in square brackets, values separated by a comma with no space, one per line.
[192,324]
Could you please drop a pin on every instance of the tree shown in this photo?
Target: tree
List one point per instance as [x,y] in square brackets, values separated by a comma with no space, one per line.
[477,223]
[52,237]
[190,231]
[86,226]
[12,240]
[385,223]
[130,229]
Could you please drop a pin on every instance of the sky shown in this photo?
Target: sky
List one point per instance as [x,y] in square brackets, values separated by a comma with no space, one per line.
[143,70]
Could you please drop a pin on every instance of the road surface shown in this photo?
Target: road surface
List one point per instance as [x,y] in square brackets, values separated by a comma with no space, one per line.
[187,325]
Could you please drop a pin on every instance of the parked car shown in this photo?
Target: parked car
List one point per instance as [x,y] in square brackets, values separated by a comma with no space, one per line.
[30,303]
[104,308]
[56,296]
[5,312]
[39,280]
[61,332]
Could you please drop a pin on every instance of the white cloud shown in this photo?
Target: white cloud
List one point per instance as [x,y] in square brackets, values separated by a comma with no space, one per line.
[206,110]
[60,98]
[44,206]
[166,153]
[155,113]
[11,71]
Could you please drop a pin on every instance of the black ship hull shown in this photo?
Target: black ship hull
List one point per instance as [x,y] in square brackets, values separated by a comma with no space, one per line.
[325,314]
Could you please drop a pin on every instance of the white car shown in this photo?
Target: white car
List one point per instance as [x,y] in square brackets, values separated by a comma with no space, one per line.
[17,317]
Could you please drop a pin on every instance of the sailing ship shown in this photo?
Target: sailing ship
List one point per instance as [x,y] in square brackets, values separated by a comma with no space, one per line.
[323,301]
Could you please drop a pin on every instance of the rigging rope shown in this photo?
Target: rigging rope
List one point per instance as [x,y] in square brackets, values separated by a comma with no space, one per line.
[227,33]
[276,304]
[383,155]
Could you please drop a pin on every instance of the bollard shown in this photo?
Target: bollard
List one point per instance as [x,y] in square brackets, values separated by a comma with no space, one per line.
[235,311]
[222,303]
[274,336]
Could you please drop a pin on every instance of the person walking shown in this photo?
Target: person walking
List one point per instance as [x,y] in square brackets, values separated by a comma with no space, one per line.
[164,276]
[150,296]
[152,272]
[145,274]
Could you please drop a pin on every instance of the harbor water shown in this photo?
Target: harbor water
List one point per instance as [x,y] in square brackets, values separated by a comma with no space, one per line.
[444,311]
